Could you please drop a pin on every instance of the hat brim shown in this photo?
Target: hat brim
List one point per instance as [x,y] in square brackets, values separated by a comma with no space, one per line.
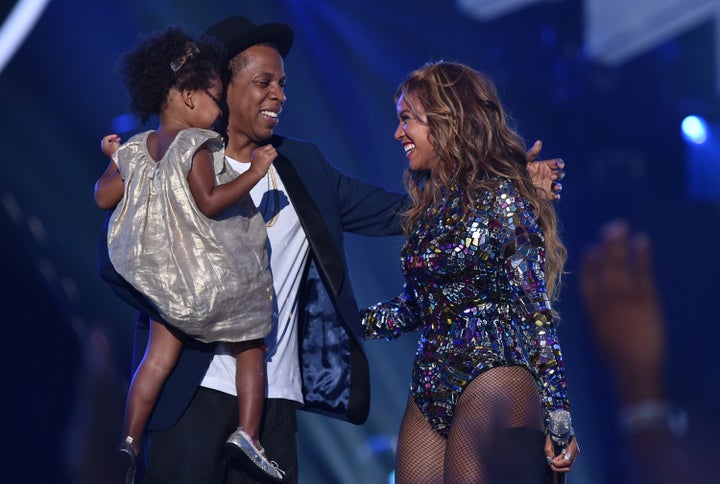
[238,33]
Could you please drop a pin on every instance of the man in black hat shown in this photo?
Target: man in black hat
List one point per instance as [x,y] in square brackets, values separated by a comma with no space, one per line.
[315,359]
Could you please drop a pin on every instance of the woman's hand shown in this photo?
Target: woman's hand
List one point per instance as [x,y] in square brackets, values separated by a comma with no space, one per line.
[564,461]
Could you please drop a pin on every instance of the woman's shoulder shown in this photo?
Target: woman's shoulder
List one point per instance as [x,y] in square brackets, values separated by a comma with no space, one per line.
[495,187]
[507,191]
[504,186]
[499,195]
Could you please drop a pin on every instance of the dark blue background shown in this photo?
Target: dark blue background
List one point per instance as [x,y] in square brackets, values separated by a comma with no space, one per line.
[616,127]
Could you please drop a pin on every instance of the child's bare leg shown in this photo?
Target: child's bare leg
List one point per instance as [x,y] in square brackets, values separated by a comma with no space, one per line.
[250,384]
[244,443]
[161,355]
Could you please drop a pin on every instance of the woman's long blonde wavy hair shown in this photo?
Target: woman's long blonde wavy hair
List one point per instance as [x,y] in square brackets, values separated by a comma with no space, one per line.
[469,131]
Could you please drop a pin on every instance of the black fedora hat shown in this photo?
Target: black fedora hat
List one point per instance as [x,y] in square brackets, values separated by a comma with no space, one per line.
[238,33]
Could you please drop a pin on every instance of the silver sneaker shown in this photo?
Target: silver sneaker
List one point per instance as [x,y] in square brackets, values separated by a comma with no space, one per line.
[125,461]
[242,447]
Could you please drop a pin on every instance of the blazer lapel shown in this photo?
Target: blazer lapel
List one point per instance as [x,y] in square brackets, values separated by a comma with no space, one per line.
[321,242]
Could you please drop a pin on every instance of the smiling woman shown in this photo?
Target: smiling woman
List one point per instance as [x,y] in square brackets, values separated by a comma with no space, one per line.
[412,132]
[481,262]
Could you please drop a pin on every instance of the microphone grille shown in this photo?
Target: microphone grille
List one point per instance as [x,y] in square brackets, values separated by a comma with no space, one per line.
[560,422]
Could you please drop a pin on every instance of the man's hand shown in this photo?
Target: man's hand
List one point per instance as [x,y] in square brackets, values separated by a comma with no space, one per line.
[546,174]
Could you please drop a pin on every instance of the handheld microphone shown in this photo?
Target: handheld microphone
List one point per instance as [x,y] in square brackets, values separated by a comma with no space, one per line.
[560,427]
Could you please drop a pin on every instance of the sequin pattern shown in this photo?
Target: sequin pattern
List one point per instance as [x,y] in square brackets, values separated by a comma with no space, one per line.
[475,289]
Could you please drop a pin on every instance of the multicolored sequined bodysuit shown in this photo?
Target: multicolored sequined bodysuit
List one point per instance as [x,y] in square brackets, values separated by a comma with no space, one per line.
[475,289]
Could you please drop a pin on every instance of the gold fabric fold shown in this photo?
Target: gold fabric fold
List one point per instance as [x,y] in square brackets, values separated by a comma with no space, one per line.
[208,277]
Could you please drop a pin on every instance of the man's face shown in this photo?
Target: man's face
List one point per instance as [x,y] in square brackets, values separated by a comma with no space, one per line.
[255,94]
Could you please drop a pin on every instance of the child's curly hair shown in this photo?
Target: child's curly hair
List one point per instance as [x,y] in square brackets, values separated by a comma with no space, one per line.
[168,59]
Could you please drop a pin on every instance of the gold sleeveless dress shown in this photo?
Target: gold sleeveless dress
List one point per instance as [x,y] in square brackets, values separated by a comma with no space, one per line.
[208,277]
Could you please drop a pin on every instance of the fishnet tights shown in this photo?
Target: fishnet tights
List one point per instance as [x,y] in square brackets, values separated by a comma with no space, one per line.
[496,435]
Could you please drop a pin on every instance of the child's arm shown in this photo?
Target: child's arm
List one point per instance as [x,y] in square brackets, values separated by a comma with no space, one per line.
[110,187]
[213,199]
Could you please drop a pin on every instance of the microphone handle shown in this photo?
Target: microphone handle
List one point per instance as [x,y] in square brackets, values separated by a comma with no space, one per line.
[559,477]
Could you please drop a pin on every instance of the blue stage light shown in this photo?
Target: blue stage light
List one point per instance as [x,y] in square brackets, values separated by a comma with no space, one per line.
[18,24]
[124,123]
[702,162]
[694,129]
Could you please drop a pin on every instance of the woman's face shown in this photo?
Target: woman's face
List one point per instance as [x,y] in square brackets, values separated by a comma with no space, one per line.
[412,132]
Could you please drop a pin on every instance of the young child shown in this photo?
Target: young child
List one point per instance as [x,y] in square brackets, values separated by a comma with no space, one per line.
[186,234]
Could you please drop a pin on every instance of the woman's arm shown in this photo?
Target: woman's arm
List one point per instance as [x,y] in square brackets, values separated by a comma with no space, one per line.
[524,264]
[390,319]
[524,252]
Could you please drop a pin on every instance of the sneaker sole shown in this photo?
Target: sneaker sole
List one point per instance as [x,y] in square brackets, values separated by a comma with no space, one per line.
[249,465]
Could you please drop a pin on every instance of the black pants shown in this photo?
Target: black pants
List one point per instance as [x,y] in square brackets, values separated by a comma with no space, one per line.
[191,451]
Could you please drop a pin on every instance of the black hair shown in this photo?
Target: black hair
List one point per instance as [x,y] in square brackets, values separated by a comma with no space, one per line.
[148,76]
